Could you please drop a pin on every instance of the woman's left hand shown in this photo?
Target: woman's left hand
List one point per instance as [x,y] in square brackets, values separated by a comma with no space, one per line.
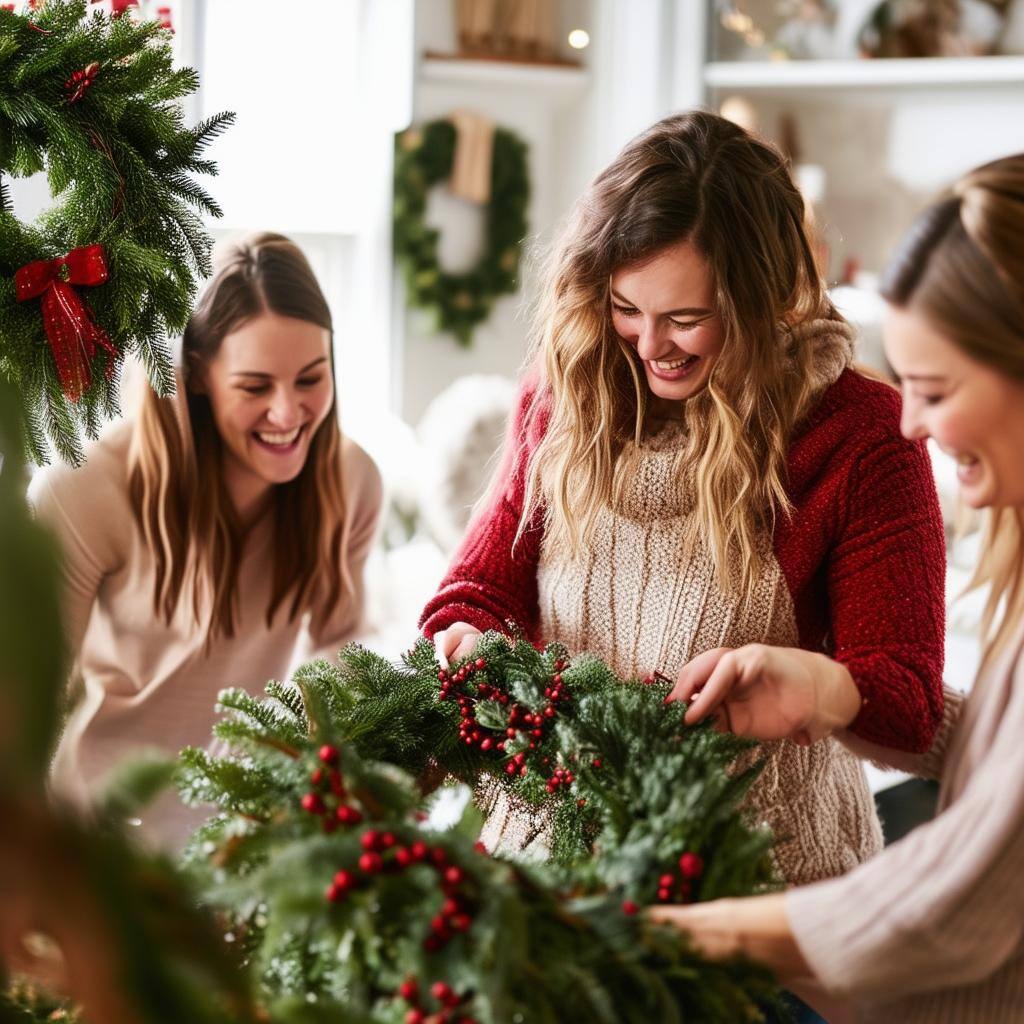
[769,693]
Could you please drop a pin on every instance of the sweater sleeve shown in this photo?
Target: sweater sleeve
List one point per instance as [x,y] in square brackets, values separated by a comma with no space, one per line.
[886,588]
[493,578]
[364,493]
[87,509]
[941,908]
[928,765]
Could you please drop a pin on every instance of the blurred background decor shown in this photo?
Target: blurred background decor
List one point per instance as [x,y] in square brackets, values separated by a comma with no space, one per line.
[485,166]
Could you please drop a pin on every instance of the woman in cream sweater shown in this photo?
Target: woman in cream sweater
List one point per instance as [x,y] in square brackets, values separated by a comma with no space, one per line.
[217,537]
[932,929]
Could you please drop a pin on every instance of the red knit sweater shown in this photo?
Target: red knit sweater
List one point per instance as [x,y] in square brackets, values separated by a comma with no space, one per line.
[863,555]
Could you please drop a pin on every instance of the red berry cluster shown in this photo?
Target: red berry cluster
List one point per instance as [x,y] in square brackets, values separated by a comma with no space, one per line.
[560,778]
[521,721]
[383,853]
[678,887]
[328,797]
[449,999]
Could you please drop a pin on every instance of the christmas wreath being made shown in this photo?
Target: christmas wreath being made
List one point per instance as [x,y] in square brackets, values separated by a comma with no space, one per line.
[111,268]
[458,302]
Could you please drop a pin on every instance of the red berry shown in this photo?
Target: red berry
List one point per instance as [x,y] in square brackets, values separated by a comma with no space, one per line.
[370,839]
[442,676]
[629,907]
[481,663]
[415,1016]
[316,776]
[691,865]
[450,907]
[418,850]
[432,943]
[311,802]
[409,990]
[523,770]
[333,893]
[480,848]
[581,802]
[666,881]
[664,895]
[461,922]
[329,825]
[442,992]
[439,857]
[337,786]
[596,763]
[344,880]
[387,840]
[370,863]
[549,712]
[328,754]
[403,857]
[348,815]
[486,743]
[454,876]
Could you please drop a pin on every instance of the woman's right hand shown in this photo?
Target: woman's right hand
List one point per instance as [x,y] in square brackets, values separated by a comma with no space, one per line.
[455,643]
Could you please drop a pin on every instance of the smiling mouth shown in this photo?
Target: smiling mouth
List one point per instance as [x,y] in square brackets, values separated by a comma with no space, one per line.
[673,369]
[279,442]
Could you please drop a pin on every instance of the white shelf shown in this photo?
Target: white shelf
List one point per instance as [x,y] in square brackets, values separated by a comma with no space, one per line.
[546,79]
[924,72]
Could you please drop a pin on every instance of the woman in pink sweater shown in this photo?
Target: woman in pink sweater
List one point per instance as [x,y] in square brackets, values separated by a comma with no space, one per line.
[217,537]
[933,928]
[695,464]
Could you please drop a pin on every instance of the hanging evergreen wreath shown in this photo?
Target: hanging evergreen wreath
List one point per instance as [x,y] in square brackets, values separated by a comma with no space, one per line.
[458,302]
[112,267]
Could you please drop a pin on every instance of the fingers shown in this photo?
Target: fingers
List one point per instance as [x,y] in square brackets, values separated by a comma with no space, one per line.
[695,673]
[734,668]
[455,642]
[466,646]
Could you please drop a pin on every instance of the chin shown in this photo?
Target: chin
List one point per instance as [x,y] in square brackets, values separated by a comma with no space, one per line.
[675,391]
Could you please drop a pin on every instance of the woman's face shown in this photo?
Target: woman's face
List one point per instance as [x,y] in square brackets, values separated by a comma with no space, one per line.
[974,413]
[269,387]
[665,309]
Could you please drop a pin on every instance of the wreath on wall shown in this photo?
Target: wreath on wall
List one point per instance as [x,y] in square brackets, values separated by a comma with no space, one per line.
[112,267]
[458,302]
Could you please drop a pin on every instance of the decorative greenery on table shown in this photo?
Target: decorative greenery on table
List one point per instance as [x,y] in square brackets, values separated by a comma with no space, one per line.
[458,302]
[112,267]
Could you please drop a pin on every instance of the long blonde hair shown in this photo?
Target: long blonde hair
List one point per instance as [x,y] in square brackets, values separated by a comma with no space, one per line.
[700,178]
[176,478]
[961,265]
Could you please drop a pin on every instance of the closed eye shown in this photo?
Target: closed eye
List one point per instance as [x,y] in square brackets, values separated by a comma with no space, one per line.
[309,382]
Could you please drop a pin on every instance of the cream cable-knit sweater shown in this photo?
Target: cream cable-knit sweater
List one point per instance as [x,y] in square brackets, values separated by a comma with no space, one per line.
[628,602]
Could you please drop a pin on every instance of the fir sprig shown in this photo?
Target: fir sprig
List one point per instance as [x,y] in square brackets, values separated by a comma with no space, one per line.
[120,162]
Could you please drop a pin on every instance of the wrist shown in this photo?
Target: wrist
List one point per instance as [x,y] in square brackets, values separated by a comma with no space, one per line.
[839,700]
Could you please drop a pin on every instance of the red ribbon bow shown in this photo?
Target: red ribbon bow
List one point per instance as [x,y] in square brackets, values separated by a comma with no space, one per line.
[67,320]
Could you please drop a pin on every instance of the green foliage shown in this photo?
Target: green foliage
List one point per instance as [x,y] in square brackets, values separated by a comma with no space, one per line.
[537,942]
[119,163]
[458,302]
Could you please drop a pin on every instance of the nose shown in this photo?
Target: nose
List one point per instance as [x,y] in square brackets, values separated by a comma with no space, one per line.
[283,411]
[912,424]
[648,341]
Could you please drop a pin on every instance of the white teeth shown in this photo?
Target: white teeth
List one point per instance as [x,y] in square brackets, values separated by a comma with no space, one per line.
[673,364]
[279,439]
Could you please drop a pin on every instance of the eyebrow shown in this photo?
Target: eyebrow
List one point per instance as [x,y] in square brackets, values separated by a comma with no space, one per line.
[268,376]
[685,311]
[921,377]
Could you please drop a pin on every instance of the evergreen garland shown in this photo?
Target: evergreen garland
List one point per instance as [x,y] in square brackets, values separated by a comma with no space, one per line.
[345,901]
[93,102]
[458,302]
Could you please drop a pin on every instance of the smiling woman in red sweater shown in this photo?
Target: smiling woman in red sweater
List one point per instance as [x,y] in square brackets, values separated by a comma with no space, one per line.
[695,465]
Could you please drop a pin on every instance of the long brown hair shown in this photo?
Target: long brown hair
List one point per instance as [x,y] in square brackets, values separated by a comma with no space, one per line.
[961,266]
[700,178]
[176,479]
